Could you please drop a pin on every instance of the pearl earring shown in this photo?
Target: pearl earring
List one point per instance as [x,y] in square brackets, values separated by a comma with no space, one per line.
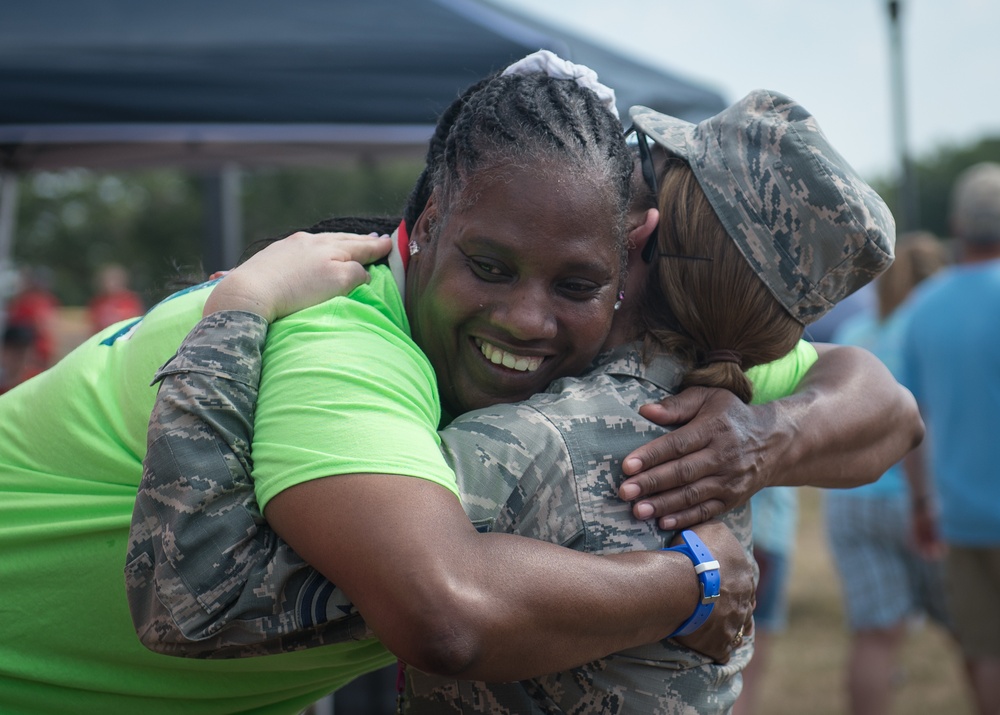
[621,297]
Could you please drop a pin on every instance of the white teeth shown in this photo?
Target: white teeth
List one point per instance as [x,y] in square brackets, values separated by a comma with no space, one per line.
[497,356]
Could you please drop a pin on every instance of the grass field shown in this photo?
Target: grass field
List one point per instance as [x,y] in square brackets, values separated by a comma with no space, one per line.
[808,662]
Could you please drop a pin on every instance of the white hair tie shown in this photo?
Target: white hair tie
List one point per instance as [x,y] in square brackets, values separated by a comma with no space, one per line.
[555,66]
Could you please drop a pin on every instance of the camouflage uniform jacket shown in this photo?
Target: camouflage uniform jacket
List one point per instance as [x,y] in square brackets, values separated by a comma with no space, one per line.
[547,468]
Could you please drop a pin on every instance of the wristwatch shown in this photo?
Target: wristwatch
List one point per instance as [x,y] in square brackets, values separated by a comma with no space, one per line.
[707,569]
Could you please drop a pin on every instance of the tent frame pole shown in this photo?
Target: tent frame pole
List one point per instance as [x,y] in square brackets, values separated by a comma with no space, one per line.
[8,221]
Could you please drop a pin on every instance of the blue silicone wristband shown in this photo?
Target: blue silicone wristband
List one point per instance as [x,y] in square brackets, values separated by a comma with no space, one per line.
[707,569]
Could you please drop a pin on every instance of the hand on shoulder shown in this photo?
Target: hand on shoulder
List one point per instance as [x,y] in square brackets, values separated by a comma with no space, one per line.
[296,272]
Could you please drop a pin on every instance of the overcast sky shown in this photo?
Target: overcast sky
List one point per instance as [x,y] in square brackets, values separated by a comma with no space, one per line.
[830,55]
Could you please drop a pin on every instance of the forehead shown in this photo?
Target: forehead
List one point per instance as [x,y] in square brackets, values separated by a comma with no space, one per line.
[540,207]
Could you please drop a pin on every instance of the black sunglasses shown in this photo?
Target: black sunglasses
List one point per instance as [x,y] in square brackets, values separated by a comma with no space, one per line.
[649,176]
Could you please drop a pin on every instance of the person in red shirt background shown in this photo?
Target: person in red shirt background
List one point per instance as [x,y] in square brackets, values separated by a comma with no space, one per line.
[17,349]
[113,301]
[35,308]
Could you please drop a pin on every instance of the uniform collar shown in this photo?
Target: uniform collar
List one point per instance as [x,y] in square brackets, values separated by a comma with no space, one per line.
[399,256]
[626,361]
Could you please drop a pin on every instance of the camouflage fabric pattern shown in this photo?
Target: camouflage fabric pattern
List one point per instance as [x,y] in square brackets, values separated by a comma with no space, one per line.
[515,466]
[513,463]
[198,538]
[803,218]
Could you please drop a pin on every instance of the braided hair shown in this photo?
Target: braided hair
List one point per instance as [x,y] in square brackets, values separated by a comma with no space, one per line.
[513,119]
[521,119]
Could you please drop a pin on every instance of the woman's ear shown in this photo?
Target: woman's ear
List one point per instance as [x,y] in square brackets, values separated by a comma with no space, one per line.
[643,231]
[422,229]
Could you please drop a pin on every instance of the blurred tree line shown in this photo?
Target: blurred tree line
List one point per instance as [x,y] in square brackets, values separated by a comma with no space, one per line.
[153,221]
[935,174]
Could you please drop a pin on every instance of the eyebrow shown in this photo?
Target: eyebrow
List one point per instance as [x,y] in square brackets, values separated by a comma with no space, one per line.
[578,261]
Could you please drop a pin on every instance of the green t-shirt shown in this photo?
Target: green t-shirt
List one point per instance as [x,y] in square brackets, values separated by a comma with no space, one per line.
[71,447]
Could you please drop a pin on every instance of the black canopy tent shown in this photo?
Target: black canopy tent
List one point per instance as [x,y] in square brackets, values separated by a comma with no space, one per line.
[128,83]
[208,83]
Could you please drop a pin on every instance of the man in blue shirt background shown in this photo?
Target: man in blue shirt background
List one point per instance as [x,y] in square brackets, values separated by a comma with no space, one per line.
[951,363]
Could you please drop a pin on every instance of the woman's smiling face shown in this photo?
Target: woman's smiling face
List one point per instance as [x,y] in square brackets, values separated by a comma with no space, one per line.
[516,286]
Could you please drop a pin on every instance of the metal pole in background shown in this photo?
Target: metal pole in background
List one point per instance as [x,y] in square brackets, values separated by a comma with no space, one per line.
[909,209]
[8,216]
[223,239]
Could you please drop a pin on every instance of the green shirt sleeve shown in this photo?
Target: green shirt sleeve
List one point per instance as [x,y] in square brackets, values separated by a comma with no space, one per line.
[780,378]
[344,390]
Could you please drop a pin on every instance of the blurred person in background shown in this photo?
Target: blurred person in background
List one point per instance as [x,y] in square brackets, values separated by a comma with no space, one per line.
[36,307]
[775,520]
[17,346]
[862,300]
[886,581]
[774,512]
[113,301]
[950,360]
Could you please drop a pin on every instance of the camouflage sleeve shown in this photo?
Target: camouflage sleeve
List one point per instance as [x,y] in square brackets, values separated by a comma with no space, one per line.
[639,681]
[512,464]
[205,574]
[661,678]
[550,469]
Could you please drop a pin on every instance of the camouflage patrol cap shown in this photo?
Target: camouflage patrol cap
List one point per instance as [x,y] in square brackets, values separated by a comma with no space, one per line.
[810,227]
